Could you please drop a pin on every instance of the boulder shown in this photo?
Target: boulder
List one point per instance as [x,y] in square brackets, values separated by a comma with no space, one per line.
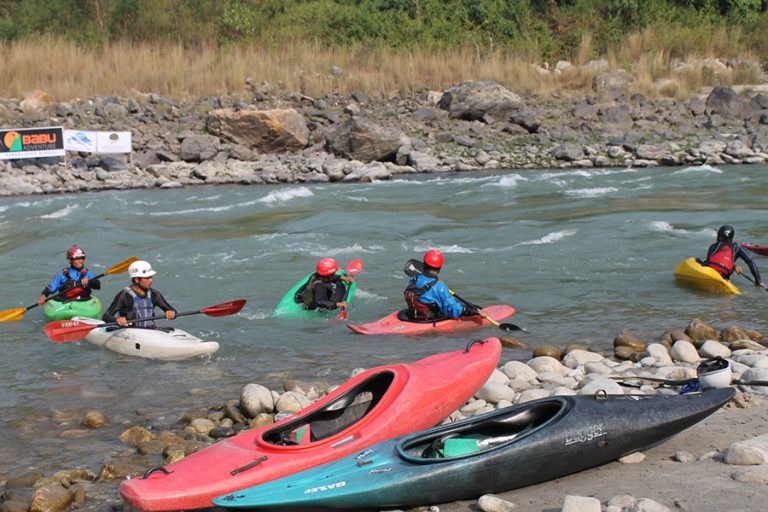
[361,139]
[269,131]
[479,100]
[726,102]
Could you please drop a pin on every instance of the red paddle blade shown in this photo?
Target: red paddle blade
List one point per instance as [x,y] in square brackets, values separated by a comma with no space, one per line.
[343,314]
[224,309]
[354,267]
[64,331]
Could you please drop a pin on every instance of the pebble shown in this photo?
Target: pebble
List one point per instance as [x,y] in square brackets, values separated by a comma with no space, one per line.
[491,503]
[750,452]
[684,457]
[573,503]
[633,458]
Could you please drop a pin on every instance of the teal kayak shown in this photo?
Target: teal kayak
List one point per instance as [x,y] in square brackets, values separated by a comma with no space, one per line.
[289,308]
[57,310]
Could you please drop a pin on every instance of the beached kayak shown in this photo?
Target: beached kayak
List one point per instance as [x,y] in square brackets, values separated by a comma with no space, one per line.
[58,310]
[505,449]
[168,344]
[692,273]
[757,249]
[398,323]
[378,404]
[288,306]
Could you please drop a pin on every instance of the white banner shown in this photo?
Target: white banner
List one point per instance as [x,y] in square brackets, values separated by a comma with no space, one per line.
[97,142]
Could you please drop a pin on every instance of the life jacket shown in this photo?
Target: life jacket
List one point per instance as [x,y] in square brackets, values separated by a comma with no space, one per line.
[418,310]
[75,292]
[723,259]
[142,308]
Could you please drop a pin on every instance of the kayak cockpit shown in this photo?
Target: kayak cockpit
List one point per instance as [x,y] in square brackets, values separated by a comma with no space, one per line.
[345,411]
[481,436]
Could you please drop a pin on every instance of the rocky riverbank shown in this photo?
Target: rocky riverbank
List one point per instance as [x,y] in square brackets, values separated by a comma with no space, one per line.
[274,137]
[734,446]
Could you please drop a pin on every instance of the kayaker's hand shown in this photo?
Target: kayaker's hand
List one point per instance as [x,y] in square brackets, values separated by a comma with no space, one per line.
[760,284]
[738,269]
[84,282]
[41,300]
[341,304]
[122,321]
[170,314]
[470,311]
[348,279]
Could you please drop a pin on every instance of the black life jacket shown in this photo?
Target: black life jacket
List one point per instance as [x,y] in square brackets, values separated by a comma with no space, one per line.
[306,295]
[418,310]
[723,259]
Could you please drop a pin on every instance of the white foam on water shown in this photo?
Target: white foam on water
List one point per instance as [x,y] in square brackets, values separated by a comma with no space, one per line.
[367,296]
[507,181]
[699,168]
[591,192]
[551,238]
[58,214]
[282,196]
[196,210]
[448,249]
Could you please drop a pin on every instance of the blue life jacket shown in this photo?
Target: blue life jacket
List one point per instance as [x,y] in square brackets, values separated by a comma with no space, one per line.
[142,308]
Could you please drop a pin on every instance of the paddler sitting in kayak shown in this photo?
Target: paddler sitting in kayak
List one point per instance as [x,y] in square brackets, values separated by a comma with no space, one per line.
[138,300]
[428,298]
[325,289]
[76,281]
[722,256]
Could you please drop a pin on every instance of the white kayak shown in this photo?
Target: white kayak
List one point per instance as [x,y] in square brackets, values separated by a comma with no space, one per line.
[167,344]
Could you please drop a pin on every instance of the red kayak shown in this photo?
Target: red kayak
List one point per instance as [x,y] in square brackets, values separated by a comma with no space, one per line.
[398,323]
[376,405]
[758,249]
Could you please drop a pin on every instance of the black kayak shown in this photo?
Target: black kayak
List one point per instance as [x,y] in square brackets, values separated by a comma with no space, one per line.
[505,449]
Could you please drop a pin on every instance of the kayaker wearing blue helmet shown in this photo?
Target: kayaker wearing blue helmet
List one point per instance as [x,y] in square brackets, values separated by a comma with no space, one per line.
[428,298]
[76,281]
[138,300]
[722,256]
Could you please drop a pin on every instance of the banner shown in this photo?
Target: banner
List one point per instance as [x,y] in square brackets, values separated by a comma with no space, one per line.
[31,143]
[97,142]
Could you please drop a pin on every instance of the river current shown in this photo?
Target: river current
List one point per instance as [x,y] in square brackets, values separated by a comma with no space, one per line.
[581,254]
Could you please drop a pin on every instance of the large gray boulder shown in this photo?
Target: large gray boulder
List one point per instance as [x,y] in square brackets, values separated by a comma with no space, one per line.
[726,102]
[474,100]
[361,139]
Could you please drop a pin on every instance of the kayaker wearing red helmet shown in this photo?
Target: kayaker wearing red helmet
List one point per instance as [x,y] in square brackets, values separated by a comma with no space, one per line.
[428,298]
[76,281]
[325,289]
[722,255]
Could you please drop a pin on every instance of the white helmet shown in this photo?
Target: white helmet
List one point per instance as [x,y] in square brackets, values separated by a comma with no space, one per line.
[140,268]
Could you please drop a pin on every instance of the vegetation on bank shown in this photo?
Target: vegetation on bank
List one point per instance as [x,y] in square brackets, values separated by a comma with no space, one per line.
[76,48]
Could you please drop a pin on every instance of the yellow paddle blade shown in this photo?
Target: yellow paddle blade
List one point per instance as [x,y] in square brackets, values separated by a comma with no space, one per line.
[120,267]
[12,315]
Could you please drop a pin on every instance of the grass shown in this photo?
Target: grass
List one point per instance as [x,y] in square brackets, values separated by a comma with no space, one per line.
[67,71]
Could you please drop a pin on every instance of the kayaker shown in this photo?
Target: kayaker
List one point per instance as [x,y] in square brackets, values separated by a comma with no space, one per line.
[76,281]
[722,256]
[325,289]
[428,298]
[138,300]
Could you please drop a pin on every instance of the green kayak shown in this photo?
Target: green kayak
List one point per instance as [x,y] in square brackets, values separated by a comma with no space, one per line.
[289,308]
[57,310]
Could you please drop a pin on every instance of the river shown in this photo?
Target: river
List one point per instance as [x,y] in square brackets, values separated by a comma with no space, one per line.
[581,254]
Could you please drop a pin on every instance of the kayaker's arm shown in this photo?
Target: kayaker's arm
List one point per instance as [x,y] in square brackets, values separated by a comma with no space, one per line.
[744,255]
[121,306]
[159,301]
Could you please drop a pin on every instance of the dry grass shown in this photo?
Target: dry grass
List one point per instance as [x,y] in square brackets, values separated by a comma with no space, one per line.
[67,71]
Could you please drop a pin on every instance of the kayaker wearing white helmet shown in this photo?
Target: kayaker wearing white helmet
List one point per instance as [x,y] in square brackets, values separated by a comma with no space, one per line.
[138,300]
[722,255]
[76,281]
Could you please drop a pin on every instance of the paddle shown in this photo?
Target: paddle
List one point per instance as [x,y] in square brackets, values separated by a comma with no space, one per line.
[10,315]
[414,268]
[745,276]
[353,268]
[64,331]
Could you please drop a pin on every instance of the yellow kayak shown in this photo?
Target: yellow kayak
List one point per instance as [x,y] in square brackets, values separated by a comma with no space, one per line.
[691,272]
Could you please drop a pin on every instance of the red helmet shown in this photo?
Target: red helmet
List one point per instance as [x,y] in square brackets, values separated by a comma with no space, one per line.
[327,267]
[75,252]
[434,258]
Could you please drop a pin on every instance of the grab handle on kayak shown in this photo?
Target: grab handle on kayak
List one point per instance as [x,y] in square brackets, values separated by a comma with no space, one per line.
[469,345]
[248,466]
[153,469]
[344,441]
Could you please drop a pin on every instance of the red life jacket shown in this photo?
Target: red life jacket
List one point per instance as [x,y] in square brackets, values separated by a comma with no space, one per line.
[723,259]
[417,309]
[77,292]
